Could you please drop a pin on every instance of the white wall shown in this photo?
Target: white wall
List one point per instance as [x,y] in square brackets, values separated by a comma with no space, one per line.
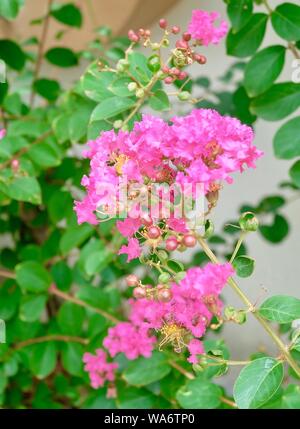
[277,267]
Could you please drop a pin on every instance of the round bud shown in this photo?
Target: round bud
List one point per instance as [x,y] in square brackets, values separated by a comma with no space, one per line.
[171,244]
[15,164]
[155,46]
[168,80]
[164,278]
[118,124]
[162,255]
[141,32]
[179,276]
[189,240]
[186,36]
[153,63]
[164,295]
[146,219]
[165,43]
[166,69]
[209,228]
[132,86]
[132,280]
[163,23]
[184,95]
[160,286]
[139,292]
[202,59]
[183,75]
[175,29]
[182,44]
[140,93]
[147,33]
[153,232]
[249,222]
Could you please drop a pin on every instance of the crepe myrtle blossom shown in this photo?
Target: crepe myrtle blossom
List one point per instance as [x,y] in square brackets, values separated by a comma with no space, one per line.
[202,27]
[203,147]
[99,369]
[180,321]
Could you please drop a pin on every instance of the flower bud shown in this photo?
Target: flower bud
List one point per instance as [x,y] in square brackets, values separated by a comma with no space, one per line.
[162,255]
[132,280]
[175,29]
[118,124]
[132,86]
[168,80]
[179,276]
[171,244]
[164,295]
[140,93]
[249,222]
[186,36]
[153,63]
[163,23]
[184,95]
[139,292]
[189,240]
[153,232]
[146,219]
[164,278]
[209,228]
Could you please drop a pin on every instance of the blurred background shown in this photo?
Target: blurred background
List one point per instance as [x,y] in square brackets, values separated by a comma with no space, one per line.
[277,266]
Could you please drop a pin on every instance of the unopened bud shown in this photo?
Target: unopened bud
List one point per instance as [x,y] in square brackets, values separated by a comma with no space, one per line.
[249,222]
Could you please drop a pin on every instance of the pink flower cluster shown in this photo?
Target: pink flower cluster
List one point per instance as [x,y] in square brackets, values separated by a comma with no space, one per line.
[99,369]
[202,147]
[2,133]
[202,27]
[194,302]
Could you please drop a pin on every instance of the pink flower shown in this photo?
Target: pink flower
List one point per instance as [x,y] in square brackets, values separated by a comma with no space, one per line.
[195,348]
[129,226]
[2,133]
[133,341]
[133,249]
[99,369]
[202,27]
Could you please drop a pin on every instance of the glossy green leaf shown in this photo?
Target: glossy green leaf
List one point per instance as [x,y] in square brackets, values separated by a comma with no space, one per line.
[287,140]
[12,54]
[96,84]
[70,319]
[43,360]
[281,309]
[9,9]
[295,173]
[246,41]
[23,189]
[72,358]
[279,101]
[277,231]
[47,88]
[145,371]
[244,266]
[159,101]
[62,275]
[111,107]
[61,57]
[258,382]
[286,21]
[199,394]
[74,237]
[271,61]
[32,277]
[239,12]
[32,307]
[68,14]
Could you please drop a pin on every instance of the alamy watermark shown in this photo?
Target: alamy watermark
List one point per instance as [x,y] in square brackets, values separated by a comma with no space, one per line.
[296,72]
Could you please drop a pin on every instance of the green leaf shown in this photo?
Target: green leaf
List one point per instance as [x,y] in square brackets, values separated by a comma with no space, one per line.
[68,14]
[74,237]
[12,54]
[279,101]
[32,277]
[263,69]
[32,307]
[286,21]
[96,84]
[70,318]
[60,206]
[9,9]
[119,87]
[287,140]
[291,398]
[280,309]
[72,358]
[9,299]
[271,204]
[62,275]
[244,266]
[239,12]
[111,107]
[199,394]
[97,261]
[295,173]
[246,41]
[45,155]
[257,383]
[43,360]
[145,371]
[135,398]
[47,88]
[61,57]
[23,189]
[159,101]
[277,231]
[138,67]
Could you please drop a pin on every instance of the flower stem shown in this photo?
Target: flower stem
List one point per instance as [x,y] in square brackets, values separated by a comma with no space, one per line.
[276,339]
[238,245]
[54,337]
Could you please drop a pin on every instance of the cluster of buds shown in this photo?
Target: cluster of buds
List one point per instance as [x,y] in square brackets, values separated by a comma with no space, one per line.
[161,292]
[142,34]
[180,242]
[236,316]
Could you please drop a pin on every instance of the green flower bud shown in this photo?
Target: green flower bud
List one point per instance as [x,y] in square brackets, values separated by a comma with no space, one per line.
[122,65]
[155,46]
[140,93]
[132,86]
[162,254]
[153,63]
[165,43]
[118,124]
[164,278]
[184,95]
[179,276]
[249,222]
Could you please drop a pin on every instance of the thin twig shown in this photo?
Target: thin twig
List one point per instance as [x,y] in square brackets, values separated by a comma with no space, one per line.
[7,274]
[47,338]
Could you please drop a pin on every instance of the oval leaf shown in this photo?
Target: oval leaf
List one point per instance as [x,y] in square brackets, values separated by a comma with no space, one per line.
[281,309]
[244,266]
[32,277]
[287,140]
[286,21]
[295,173]
[199,394]
[145,371]
[111,107]
[61,57]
